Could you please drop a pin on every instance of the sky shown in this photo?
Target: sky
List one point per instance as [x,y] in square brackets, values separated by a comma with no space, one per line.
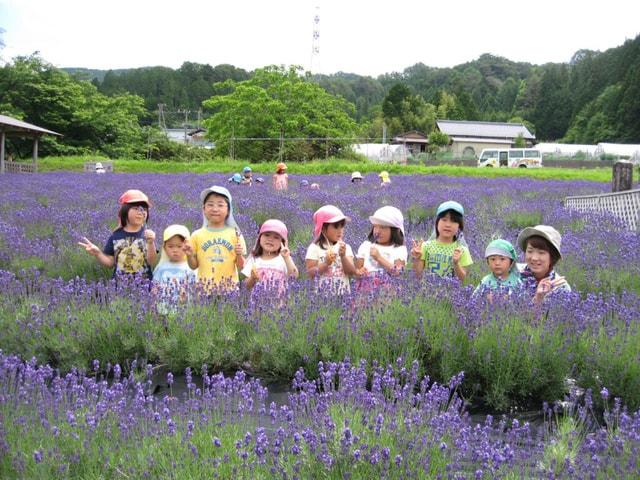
[366,38]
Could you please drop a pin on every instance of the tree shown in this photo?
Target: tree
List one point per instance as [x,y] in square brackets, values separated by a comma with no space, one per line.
[437,140]
[279,102]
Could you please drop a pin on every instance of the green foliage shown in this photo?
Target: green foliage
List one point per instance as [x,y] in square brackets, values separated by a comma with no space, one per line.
[438,139]
[39,93]
[278,102]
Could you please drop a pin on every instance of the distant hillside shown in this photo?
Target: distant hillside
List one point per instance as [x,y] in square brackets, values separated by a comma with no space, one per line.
[595,97]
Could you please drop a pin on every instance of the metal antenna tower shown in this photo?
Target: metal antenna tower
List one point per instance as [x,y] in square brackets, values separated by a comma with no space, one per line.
[315,43]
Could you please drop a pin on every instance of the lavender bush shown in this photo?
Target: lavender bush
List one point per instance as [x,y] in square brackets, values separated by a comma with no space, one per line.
[354,421]
[58,306]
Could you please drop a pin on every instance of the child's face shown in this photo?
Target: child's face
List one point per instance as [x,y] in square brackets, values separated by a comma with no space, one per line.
[216,210]
[173,248]
[382,234]
[499,265]
[334,231]
[270,242]
[136,216]
[248,175]
[447,228]
[538,260]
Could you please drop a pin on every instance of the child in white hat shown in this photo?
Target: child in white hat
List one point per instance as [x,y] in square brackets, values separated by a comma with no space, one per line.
[384,250]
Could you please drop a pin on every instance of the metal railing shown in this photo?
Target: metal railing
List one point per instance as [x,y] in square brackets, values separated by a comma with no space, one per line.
[624,205]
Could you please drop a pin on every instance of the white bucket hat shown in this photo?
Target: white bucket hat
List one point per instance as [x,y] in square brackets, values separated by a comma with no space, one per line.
[389,217]
[544,231]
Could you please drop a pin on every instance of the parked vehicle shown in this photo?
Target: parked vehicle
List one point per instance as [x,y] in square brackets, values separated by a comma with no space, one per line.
[511,157]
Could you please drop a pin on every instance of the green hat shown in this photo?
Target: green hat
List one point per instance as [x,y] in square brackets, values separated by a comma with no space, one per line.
[501,247]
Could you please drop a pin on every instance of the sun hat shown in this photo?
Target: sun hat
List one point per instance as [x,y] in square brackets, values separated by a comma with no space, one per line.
[173,230]
[281,166]
[501,247]
[384,175]
[544,231]
[315,186]
[223,192]
[236,178]
[326,214]
[450,205]
[355,175]
[274,226]
[304,183]
[389,217]
[133,196]
[260,180]
[247,169]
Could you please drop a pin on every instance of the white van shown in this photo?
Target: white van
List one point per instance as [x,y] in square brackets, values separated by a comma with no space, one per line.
[512,158]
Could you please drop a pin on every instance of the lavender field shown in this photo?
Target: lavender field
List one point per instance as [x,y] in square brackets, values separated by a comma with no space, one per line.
[382,389]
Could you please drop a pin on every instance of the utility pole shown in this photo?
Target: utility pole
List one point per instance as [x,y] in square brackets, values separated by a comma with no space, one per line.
[161,121]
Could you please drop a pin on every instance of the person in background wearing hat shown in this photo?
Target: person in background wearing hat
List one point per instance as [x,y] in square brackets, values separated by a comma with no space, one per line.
[270,261]
[280,178]
[216,250]
[445,253]
[172,273]
[385,181]
[329,259]
[131,247]
[504,277]
[356,177]
[100,168]
[247,176]
[541,246]
[384,251]
[235,178]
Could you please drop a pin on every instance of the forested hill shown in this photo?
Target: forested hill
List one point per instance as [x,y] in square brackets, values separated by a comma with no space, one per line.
[595,97]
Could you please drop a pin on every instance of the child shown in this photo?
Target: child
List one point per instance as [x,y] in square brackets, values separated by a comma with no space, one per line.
[216,250]
[321,260]
[270,260]
[501,257]
[356,177]
[384,250]
[280,178]
[445,253]
[131,247]
[385,181]
[235,178]
[172,272]
[247,176]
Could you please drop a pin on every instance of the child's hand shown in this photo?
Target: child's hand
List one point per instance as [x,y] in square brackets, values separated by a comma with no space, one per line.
[285,252]
[254,274]
[374,253]
[89,247]
[416,249]
[238,249]
[331,257]
[149,236]
[457,253]
[362,272]
[342,248]
[187,249]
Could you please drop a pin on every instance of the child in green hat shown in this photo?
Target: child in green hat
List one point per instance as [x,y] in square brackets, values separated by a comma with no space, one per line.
[501,258]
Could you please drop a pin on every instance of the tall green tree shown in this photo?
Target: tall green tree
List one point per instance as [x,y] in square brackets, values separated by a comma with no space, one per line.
[276,102]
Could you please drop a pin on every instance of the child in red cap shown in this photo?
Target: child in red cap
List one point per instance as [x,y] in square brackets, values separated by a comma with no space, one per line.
[131,247]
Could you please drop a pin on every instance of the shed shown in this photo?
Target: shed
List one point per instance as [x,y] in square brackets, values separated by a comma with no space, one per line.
[12,127]
[469,138]
[415,141]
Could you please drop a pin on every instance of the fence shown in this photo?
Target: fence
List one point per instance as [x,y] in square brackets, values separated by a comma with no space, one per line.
[18,167]
[624,205]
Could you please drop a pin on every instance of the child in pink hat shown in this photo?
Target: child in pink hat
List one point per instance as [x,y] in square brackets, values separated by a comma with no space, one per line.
[270,260]
[329,259]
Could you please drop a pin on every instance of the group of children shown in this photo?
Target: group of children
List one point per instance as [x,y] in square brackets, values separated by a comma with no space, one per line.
[216,253]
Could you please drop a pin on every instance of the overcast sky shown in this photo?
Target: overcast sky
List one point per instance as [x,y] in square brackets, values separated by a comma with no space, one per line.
[355,36]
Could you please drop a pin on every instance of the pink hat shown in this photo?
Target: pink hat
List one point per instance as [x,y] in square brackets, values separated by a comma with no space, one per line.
[389,217]
[274,226]
[327,214]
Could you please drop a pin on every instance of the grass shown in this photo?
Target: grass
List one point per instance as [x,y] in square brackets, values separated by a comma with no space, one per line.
[319,167]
